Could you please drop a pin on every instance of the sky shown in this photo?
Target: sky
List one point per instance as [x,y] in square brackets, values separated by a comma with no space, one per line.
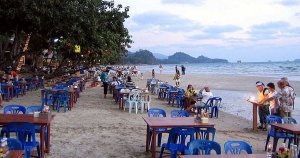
[246,30]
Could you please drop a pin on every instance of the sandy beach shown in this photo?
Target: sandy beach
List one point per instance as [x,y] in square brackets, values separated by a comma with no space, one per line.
[97,128]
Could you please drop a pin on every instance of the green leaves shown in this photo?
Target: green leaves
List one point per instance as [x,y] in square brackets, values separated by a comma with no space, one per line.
[96,25]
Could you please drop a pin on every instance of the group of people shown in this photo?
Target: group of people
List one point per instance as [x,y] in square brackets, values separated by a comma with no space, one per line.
[192,98]
[272,102]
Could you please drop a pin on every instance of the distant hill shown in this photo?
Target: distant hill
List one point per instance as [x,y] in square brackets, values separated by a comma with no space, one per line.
[297,60]
[182,58]
[160,56]
[140,57]
[147,57]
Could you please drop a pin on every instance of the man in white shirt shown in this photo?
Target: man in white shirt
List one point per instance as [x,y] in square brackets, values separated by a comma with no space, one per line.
[205,94]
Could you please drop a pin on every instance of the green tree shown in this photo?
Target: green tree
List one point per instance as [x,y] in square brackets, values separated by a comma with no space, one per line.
[96,25]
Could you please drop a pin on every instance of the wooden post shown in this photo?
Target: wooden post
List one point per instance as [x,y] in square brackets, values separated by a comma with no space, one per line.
[254,117]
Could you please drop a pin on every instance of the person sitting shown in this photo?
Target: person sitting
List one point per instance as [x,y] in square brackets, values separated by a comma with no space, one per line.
[129,83]
[205,94]
[96,81]
[189,96]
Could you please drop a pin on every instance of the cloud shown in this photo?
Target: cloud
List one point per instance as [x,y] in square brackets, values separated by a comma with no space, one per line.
[269,30]
[215,32]
[164,21]
[191,2]
[221,29]
[289,2]
[206,36]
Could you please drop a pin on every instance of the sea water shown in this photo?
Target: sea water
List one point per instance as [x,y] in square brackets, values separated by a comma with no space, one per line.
[267,69]
[234,102]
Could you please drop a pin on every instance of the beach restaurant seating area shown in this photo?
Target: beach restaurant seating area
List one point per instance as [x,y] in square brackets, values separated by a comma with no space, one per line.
[15,88]
[20,123]
[189,137]
[175,96]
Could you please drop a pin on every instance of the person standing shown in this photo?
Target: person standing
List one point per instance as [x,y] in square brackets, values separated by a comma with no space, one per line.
[153,74]
[263,107]
[285,97]
[272,98]
[104,79]
[182,70]
[160,68]
[177,78]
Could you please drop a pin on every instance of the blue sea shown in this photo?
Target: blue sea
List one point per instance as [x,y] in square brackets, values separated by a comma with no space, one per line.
[234,102]
[268,69]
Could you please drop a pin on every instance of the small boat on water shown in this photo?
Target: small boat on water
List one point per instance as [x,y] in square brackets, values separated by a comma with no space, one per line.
[239,61]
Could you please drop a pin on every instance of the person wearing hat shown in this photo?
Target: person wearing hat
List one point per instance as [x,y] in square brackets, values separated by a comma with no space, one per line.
[263,106]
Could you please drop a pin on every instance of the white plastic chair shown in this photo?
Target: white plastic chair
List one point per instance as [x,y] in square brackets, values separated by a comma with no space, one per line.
[145,99]
[132,101]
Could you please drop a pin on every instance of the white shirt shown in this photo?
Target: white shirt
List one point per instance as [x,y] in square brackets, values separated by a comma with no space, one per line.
[273,101]
[206,96]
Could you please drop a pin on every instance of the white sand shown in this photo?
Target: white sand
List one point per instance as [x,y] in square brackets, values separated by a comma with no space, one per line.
[97,128]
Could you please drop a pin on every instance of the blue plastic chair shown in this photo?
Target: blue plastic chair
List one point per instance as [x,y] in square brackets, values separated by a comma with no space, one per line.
[34,108]
[180,99]
[17,90]
[25,133]
[205,133]
[203,147]
[179,113]
[14,109]
[212,105]
[177,140]
[31,110]
[236,147]
[289,120]
[14,144]
[272,119]
[63,100]
[11,109]
[156,112]
[4,91]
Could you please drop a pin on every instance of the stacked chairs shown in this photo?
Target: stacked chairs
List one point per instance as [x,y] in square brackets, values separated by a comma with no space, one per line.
[203,147]
[271,119]
[156,112]
[237,147]
[177,140]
